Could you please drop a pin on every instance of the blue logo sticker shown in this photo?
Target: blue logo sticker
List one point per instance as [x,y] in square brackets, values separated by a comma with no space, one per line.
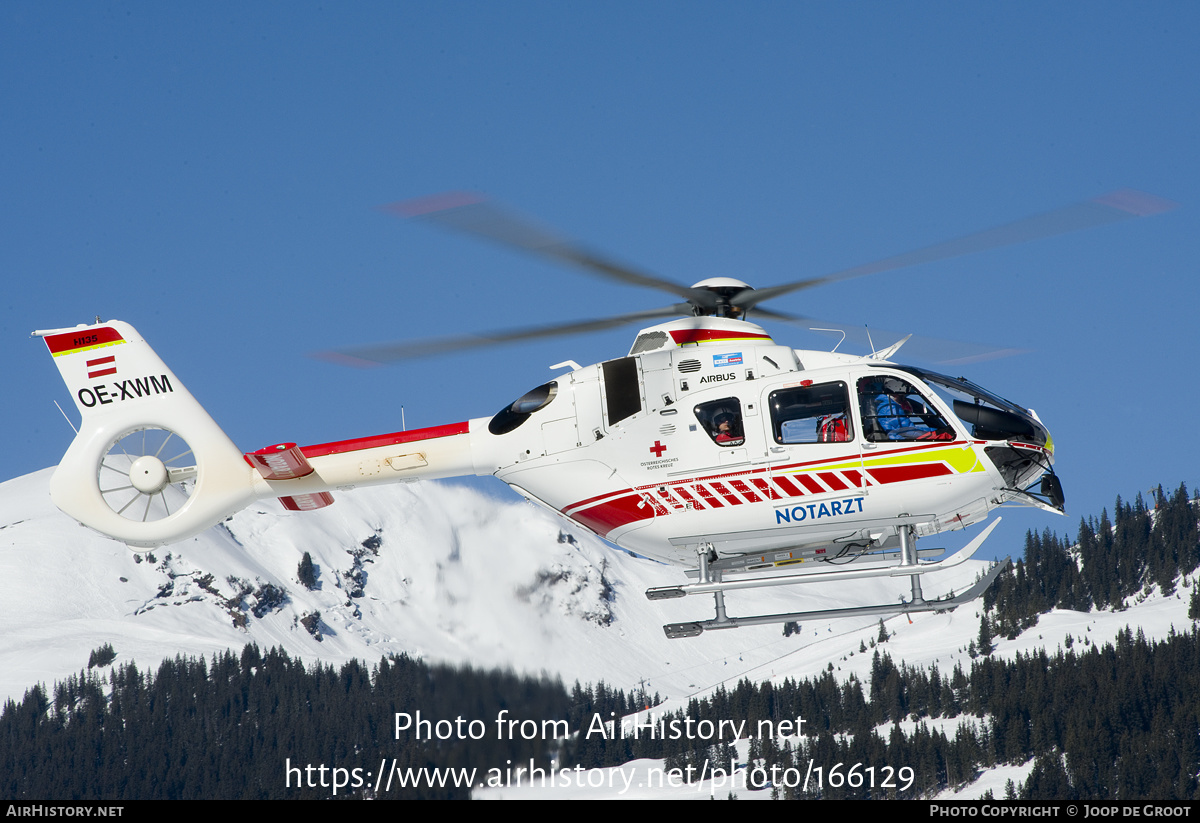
[730,359]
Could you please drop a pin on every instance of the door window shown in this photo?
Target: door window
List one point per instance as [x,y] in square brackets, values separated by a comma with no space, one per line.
[811,414]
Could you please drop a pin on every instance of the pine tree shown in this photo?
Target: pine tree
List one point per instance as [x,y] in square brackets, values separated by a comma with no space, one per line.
[985,635]
[307,572]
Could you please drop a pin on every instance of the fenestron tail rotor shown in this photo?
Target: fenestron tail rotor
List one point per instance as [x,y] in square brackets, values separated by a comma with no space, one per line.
[147,474]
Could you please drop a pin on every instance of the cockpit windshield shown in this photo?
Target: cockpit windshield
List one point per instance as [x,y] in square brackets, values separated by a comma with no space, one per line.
[960,388]
[990,416]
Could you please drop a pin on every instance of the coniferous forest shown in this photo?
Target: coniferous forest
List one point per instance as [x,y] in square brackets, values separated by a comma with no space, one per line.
[1116,720]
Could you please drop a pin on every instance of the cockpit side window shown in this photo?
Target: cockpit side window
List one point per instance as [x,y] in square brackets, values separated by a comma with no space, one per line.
[722,419]
[517,412]
[811,414]
[892,409]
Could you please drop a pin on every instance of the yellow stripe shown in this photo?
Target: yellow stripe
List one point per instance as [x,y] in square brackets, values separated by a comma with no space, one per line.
[960,458]
[90,348]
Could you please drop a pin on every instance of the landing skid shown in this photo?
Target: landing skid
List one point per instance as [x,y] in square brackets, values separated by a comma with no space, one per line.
[908,565]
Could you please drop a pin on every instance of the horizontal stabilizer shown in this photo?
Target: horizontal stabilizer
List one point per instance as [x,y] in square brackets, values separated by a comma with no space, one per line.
[307,502]
[283,461]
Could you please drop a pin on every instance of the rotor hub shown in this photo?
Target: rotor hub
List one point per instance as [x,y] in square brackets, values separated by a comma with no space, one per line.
[148,474]
[724,290]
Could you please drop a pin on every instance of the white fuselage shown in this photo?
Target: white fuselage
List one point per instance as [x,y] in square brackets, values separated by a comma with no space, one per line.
[660,484]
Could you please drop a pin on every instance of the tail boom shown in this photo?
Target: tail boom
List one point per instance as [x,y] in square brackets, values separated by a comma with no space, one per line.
[429,454]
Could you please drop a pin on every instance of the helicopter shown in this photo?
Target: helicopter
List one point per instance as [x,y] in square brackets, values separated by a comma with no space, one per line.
[708,446]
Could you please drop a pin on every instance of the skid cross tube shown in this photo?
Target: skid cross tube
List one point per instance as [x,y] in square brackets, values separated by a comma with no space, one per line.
[694,629]
[710,582]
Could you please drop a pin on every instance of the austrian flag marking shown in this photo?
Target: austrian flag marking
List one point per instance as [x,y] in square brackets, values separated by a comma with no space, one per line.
[102,366]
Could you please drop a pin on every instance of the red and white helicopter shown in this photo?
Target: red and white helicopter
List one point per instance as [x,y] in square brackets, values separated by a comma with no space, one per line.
[708,446]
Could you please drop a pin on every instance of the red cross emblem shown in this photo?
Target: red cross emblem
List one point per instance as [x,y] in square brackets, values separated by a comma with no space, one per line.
[658,449]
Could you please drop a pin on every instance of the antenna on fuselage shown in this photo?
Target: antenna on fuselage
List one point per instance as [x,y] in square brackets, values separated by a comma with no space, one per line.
[64,414]
[838,343]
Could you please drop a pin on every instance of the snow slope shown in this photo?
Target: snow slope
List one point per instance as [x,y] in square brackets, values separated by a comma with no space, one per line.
[450,574]
[447,573]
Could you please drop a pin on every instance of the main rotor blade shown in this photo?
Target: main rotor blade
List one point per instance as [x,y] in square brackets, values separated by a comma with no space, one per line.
[1108,208]
[365,356]
[473,214]
[936,350]
[782,317]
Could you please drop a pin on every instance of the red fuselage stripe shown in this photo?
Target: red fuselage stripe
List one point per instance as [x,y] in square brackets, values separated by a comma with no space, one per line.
[393,439]
[765,487]
[745,491]
[727,494]
[784,483]
[898,474]
[832,481]
[605,512]
[810,484]
[684,336]
[605,517]
[682,492]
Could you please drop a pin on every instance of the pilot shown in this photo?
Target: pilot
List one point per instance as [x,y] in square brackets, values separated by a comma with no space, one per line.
[893,413]
[727,428]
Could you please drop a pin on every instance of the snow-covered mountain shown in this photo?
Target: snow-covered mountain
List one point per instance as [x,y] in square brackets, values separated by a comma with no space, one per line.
[447,573]
[433,569]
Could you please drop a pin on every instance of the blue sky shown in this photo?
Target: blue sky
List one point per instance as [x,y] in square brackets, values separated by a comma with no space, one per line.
[211,173]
